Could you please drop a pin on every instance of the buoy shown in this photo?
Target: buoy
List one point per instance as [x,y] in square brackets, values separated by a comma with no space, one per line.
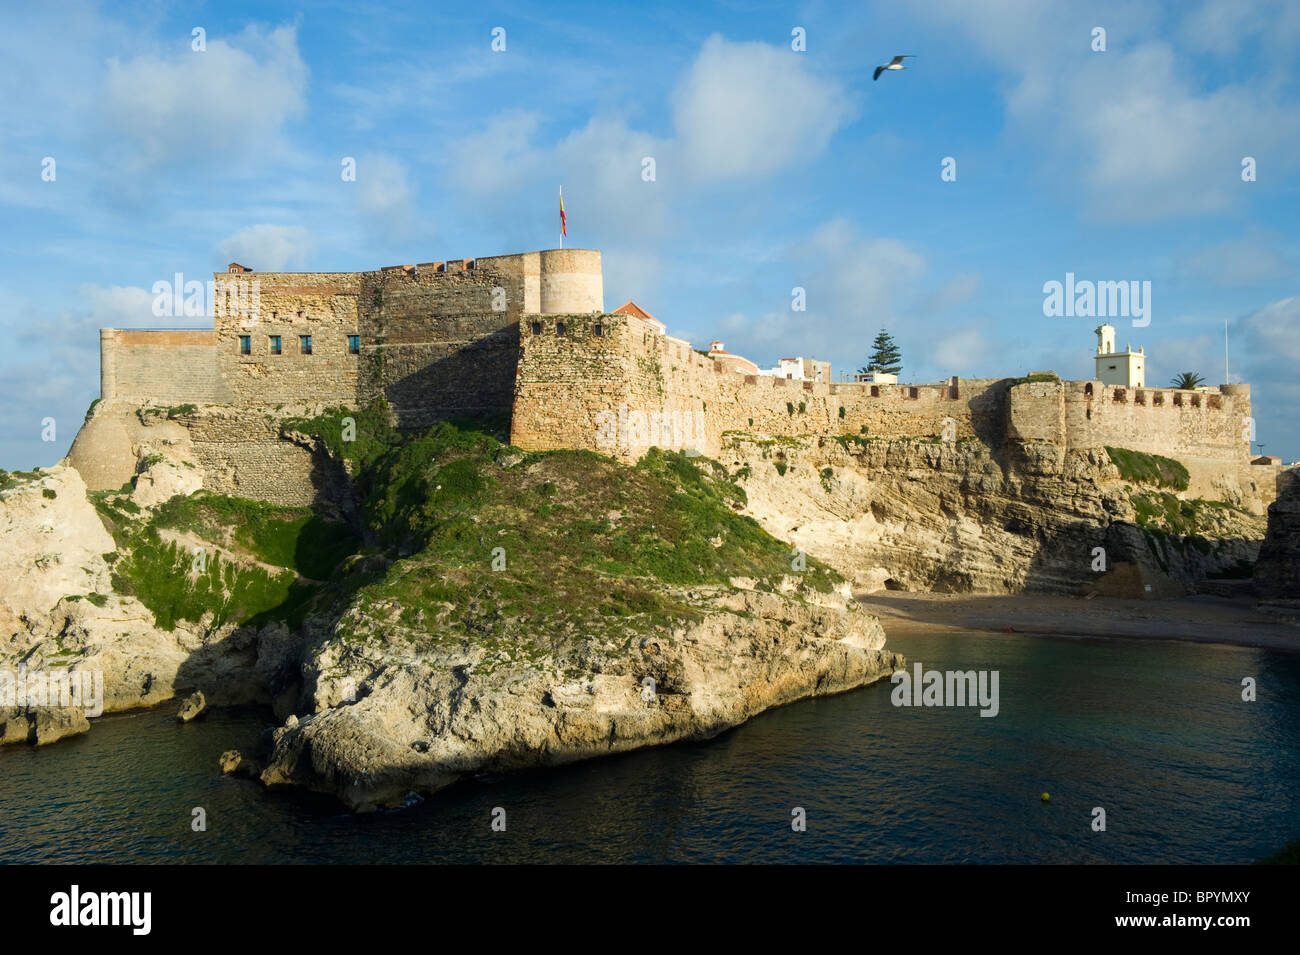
[1046,797]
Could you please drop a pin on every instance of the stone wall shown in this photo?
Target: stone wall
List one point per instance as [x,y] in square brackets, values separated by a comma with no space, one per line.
[160,366]
[289,305]
[442,342]
[631,387]
[242,454]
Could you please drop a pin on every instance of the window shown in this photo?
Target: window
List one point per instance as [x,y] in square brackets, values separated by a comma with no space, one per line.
[354,344]
[275,344]
[598,331]
[559,328]
[875,391]
[537,328]
[304,344]
[245,343]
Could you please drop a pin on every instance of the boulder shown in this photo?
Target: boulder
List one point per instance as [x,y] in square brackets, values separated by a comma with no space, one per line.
[194,706]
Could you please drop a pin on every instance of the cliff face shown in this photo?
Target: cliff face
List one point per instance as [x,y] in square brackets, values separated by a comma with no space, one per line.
[60,614]
[1277,572]
[957,517]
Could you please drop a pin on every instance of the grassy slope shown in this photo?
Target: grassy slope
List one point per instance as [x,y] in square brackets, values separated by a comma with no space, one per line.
[589,546]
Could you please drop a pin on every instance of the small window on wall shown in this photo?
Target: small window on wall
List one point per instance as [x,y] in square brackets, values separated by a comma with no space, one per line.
[559,328]
[275,344]
[246,344]
[304,344]
[354,344]
[537,328]
[597,330]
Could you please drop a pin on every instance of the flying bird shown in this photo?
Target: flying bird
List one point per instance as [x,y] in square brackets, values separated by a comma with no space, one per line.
[895,64]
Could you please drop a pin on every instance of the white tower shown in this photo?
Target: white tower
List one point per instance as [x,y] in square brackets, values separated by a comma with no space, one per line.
[1126,368]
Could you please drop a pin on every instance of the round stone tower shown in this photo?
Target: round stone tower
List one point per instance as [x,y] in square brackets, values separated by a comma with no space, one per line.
[571,281]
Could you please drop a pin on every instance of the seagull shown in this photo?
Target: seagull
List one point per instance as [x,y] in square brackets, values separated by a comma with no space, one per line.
[895,64]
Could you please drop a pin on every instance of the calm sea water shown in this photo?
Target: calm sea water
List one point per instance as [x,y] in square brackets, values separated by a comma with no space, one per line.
[1154,732]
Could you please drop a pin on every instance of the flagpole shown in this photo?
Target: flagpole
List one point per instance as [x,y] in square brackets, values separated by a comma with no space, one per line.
[561,217]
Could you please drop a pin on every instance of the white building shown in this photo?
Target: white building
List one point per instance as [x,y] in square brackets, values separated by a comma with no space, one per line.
[800,369]
[1126,368]
[876,377]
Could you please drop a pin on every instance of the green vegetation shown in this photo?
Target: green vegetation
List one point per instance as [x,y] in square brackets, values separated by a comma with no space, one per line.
[589,549]
[857,441]
[841,411]
[10,479]
[49,492]
[91,410]
[1165,511]
[781,468]
[1187,380]
[266,549]
[789,406]
[827,474]
[1151,469]
[1039,376]
[885,355]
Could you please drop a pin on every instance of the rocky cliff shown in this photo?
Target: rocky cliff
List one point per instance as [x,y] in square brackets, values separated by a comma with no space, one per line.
[964,517]
[472,609]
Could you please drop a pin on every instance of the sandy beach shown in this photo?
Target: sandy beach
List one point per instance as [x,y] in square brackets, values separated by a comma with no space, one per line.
[1202,619]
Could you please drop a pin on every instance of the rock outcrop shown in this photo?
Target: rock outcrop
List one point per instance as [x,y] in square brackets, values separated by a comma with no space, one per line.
[958,517]
[419,724]
[61,616]
[1277,571]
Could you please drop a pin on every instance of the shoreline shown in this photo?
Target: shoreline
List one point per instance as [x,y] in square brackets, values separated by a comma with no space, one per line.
[1231,621]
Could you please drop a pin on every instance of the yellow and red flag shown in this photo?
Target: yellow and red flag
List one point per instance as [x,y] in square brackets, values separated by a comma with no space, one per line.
[564,229]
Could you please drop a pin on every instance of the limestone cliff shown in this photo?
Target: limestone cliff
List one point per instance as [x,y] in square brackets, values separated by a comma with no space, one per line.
[419,721]
[960,517]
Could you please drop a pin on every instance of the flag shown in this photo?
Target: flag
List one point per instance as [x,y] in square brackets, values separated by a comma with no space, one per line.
[564,229]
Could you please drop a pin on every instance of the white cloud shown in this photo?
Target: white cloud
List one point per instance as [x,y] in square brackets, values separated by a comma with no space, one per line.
[233,98]
[268,248]
[747,110]
[1140,124]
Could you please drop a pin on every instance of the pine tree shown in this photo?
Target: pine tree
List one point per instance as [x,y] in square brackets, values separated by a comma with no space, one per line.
[885,355]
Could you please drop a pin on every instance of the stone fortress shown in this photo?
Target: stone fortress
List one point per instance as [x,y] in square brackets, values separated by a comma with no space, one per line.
[526,337]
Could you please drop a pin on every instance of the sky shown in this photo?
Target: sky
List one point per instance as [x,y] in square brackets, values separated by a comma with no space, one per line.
[720,156]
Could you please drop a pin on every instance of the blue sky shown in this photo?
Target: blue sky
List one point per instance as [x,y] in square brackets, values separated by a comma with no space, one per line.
[773,169]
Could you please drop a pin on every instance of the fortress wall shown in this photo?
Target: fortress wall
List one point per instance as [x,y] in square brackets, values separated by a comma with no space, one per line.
[637,380]
[1203,430]
[289,304]
[161,366]
[441,343]
[566,383]
[243,455]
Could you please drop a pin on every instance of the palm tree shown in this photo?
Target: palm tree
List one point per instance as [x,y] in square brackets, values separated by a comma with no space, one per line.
[1187,381]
